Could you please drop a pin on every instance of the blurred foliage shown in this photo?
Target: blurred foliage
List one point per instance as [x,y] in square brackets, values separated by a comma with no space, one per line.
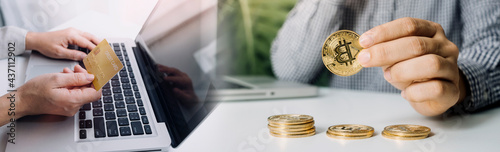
[252,26]
[255,24]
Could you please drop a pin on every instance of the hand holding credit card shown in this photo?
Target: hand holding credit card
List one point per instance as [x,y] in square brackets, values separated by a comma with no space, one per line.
[103,63]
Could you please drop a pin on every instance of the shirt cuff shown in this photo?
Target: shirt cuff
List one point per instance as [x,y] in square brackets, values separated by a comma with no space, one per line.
[477,77]
[15,35]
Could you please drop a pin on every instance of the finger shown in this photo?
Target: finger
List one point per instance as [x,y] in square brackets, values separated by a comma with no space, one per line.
[85,95]
[432,90]
[91,37]
[71,79]
[83,42]
[166,69]
[173,79]
[79,69]
[64,53]
[170,71]
[431,97]
[67,70]
[402,27]
[422,68]
[70,113]
[187,99]
[389,53]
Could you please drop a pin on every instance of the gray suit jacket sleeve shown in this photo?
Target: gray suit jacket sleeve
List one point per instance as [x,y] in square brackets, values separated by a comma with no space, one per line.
[480,54]
[16,37]
[298,44]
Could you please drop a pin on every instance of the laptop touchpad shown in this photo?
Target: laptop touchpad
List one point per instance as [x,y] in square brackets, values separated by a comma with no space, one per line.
[39,64]
[37,70]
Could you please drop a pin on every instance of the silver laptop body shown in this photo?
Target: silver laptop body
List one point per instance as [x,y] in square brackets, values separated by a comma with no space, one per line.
[235,88]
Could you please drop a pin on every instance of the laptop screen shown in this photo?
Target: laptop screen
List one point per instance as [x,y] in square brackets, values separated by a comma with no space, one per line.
[174,55]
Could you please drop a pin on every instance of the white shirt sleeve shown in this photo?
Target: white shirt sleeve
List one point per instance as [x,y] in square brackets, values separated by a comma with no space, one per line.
[11,36]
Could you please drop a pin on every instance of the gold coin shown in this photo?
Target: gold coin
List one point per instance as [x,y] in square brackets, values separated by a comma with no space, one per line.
[284,132]
[350,129]
[349,134]
[289,119]
[292,126]
[340,51]
[292,135]
[349,137]
[290,129]
[407,130]
[405,135]
[386,135]
[295,124]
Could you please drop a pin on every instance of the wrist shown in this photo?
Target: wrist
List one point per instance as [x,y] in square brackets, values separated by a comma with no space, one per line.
[463,86]
[20,108]
[31,41]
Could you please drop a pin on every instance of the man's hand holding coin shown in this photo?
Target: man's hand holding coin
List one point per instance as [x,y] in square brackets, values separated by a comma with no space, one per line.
[418,59]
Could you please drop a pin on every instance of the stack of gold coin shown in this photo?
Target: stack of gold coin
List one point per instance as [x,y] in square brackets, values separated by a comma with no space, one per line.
[406,132]
[349,131]
[291,125]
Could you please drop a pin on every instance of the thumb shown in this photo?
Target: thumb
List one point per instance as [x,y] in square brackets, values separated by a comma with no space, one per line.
[72,79]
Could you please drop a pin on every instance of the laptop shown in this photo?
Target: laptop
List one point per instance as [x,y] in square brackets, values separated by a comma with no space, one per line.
[152,104]
[236,88]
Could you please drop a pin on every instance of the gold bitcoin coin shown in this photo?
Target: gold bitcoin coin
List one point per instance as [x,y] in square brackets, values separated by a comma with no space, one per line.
[292,135]
[284,132]
[339,53]
[289,119]
[407,130]
[348,137]
[386,135]
[290,128]
[407,135]
[291,125]
[350,131]
[349,134]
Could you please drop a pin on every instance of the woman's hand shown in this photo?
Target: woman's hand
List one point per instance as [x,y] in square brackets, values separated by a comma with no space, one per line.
[55,44]
[57,93]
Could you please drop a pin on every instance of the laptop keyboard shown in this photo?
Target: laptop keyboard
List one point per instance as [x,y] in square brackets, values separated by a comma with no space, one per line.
[120,111]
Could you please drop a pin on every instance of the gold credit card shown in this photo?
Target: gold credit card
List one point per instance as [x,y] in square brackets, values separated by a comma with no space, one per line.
[103,63]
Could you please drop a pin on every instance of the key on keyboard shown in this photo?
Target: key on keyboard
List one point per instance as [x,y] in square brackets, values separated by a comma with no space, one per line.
[112,128]
[137,128]
[99,129]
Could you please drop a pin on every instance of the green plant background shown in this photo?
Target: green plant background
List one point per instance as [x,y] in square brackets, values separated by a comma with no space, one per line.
[252,26]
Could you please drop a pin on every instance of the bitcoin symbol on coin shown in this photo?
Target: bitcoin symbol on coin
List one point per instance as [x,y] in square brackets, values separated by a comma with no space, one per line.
[340,58]
[341,48]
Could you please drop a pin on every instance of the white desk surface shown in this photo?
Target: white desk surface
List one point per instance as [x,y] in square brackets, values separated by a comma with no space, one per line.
[242,126]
